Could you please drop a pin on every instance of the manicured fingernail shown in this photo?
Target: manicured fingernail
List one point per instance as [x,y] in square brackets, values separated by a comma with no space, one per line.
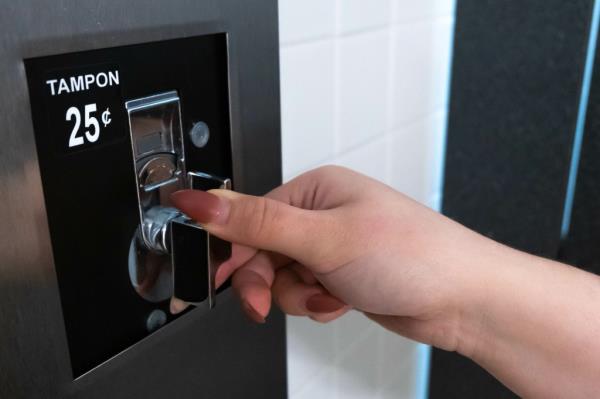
[252,313]
[201,206]
[322,303]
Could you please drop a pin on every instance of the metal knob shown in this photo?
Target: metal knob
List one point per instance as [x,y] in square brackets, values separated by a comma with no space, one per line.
[195,254]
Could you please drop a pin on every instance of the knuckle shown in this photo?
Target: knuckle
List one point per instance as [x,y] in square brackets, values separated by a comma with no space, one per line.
[328,171]
[263,214]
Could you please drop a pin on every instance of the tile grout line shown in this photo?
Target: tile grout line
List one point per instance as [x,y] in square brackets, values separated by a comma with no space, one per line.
[408,123]
[337,136]
[337,141]
[380,363]
[391,90]
[306,41]
[367,30]
[389,164]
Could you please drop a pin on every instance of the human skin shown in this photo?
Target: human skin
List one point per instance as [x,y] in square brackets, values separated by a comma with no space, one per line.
[332,239]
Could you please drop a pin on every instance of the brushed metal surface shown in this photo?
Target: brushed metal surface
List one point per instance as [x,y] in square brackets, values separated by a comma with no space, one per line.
[246,360]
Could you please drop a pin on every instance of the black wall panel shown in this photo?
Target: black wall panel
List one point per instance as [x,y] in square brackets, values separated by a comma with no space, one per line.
[516,83]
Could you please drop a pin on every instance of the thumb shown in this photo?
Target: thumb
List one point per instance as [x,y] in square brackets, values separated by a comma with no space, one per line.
[261,223]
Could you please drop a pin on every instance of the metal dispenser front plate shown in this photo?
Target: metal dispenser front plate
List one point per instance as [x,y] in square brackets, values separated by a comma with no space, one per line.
[86,157]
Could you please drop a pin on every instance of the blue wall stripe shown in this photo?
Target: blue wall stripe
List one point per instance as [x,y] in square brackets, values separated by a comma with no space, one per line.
[424,351]
[424,358]
[580,127]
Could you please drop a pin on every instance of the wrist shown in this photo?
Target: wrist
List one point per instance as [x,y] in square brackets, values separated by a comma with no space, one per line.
[534,317]
[491,276]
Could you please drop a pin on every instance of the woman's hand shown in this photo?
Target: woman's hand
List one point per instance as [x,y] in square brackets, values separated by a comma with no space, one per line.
[333,239]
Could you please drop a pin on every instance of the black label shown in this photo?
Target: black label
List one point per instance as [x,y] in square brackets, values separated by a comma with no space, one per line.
[84,107]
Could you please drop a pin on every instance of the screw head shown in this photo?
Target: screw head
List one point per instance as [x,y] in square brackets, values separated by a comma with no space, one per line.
[156,319]
[199,134]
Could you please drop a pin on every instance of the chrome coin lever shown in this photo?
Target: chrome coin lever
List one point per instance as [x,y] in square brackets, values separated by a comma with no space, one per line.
[170,254]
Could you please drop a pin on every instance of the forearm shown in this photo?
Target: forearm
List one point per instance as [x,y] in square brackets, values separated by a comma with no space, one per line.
[537,326]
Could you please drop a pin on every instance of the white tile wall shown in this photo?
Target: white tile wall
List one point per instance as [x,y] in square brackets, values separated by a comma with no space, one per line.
[304,20]
[361,73]
[312,347]
[364,84]
[414,157]
[307,75]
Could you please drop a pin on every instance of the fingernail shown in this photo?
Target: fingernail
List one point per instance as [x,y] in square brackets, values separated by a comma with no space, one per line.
[201,206]
[322,303]
[252,313]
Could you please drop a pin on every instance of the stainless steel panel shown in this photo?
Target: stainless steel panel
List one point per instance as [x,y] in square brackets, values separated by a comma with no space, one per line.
[247,360]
